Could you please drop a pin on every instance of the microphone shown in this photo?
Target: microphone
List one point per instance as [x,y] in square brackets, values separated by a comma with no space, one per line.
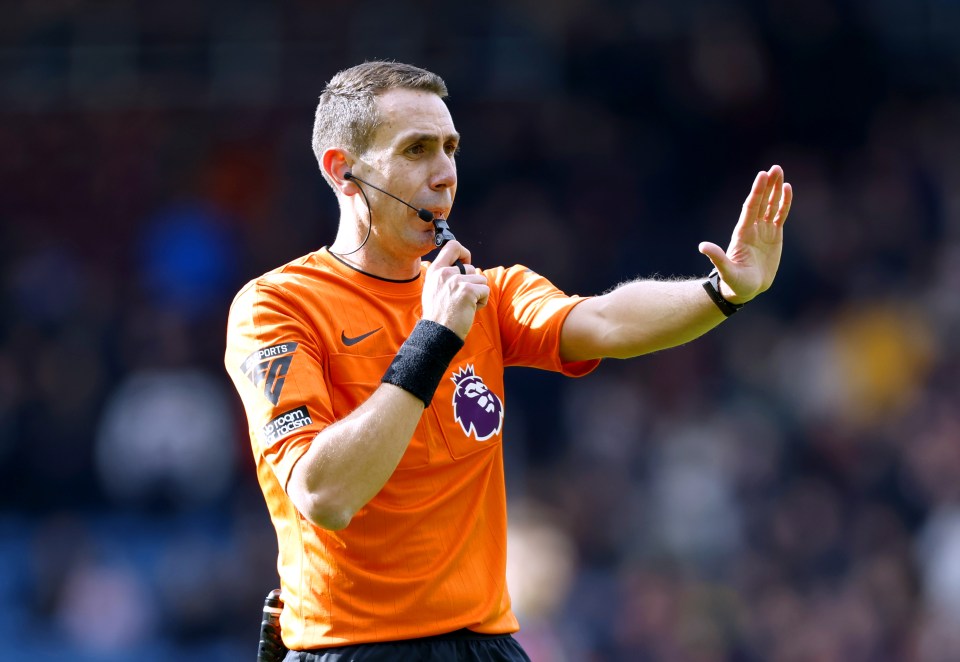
[441,231]
[425,215]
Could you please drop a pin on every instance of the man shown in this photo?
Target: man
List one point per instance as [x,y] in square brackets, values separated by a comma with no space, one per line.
[373,381]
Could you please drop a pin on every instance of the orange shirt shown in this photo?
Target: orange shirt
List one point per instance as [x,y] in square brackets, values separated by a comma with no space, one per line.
[306,344]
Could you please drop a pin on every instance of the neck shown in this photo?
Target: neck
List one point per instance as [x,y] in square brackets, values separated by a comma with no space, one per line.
[370,258]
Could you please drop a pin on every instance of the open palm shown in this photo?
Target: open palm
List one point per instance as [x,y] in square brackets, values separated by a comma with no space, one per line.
[750,262]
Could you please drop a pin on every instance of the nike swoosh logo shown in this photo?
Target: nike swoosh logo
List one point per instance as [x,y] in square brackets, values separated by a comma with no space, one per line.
[353,341]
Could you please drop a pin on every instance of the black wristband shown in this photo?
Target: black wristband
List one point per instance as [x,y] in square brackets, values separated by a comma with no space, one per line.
[422,359]
[712,286]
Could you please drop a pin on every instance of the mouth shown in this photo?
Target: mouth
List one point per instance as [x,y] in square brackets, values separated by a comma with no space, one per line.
[438,213]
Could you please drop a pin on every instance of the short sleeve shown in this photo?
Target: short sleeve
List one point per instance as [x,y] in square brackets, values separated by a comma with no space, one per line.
[531,312]
[276,365]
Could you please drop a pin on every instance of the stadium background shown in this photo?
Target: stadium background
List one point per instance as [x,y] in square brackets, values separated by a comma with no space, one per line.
[785,489]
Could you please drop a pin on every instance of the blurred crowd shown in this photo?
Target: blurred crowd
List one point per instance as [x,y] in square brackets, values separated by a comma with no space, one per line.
[784,489]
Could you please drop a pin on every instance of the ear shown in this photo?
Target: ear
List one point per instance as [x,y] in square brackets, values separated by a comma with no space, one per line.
[337,162]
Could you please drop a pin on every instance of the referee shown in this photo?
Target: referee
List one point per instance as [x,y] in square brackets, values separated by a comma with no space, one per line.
[373,381]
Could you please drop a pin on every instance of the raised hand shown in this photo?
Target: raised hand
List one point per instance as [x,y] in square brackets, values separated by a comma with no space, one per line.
[452,298]
[750,262]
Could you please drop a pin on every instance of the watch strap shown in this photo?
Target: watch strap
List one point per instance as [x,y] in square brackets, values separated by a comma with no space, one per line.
[712,286]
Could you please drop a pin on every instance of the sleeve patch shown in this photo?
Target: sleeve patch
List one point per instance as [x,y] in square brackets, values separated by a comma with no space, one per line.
[284,424]
[267,367]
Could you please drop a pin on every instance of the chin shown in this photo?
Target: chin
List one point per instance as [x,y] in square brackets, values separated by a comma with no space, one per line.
[427,243]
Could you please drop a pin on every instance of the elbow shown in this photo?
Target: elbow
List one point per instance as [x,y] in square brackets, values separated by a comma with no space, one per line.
[321,504]
[327,514]
[320,509]
[331,520]
[592,330]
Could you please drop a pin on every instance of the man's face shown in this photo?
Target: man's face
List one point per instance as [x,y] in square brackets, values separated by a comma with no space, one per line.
[412,156]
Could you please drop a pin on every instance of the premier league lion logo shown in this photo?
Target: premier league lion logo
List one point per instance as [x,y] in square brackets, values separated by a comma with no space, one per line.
[476,408]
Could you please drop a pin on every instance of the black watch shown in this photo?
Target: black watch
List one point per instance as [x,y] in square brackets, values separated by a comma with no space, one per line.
[712,286]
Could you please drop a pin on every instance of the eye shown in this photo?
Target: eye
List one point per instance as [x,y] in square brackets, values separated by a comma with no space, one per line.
[416,148]
[451,149]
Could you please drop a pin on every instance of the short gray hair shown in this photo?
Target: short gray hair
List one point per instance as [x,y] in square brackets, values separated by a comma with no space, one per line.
[347,114]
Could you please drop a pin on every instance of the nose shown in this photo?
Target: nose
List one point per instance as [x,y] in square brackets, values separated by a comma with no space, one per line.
[445,175]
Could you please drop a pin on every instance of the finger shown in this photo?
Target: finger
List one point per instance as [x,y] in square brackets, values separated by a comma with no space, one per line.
[714,253]
[776,174]
[767,194]
[482,292]
[464,273]
[474,279]
[785,208]
[450,253]
[482,301]
[753,204]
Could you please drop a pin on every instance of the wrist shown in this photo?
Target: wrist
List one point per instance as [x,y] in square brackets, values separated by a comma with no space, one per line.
[721,294]
[423,359]
[731,296]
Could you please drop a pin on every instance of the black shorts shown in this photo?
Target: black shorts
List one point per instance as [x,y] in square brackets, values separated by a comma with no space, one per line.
[459,646]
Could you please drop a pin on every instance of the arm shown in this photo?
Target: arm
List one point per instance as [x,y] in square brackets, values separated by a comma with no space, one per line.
[646,316]
[350,460]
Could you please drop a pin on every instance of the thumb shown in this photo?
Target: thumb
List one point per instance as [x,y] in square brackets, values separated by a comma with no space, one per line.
[716,254]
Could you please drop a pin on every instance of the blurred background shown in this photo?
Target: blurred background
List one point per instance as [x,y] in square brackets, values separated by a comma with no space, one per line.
[783,489]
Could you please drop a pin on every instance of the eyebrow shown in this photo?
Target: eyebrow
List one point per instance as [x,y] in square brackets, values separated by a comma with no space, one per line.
[427,137]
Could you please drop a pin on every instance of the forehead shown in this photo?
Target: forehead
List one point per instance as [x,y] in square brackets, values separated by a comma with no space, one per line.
[405,112]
